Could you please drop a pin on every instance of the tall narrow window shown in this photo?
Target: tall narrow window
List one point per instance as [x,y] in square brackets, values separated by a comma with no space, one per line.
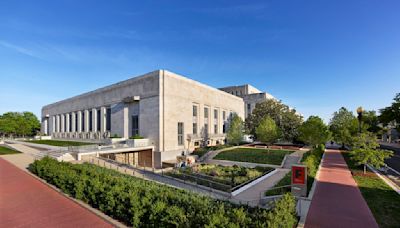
[206,129]
[90,120]
[194,128]
[135,125]
[205,112]
[215,114]
[194,110]
[248,107]
[76,122]
[223,115]
[70,122]
[108,119]
[215,129]
[98,120]
[83,121]
[180,133]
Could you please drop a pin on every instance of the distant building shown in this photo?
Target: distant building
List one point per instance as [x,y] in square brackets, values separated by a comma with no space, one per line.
[391,136]
[251,96]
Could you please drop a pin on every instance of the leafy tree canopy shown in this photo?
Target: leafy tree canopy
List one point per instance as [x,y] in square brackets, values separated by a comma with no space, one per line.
[235,131]
[314,131]
[19,124]
[391,115]
[344,126]
[267,131]
[287,120]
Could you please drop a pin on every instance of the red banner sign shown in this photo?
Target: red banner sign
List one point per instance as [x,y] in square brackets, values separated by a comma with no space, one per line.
[298,174]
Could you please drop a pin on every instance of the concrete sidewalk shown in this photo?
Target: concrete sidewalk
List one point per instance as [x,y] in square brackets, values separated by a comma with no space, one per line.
[337,201]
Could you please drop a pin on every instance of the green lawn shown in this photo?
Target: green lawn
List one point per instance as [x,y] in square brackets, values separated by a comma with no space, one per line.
[383,201]
[252,155]
[59,143]
[5,150]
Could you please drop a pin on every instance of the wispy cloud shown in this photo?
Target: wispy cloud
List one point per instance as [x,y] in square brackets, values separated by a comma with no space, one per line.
[19,49]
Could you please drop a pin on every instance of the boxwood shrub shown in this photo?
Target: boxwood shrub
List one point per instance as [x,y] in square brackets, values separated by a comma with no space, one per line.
[141,203]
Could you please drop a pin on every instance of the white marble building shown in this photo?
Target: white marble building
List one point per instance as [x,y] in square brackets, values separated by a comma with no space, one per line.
[173,112]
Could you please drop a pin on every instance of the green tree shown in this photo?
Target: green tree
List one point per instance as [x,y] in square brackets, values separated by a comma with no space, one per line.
[16,123]
[287,119]
[343,126]
[314,132]
[365,151]
[391,115]
[376,158]
[267,131]
[372,121]
[235,131]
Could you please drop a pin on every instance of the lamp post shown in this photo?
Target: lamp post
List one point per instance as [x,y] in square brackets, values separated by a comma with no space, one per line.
[359,117]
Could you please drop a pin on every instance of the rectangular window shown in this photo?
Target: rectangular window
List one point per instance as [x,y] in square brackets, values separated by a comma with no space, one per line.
[215,129]
[248,107]
[90,120]
[76,122]
[98,120]
[194,128]
[70,123]
[180,133]
[135,125]
[65,123]
[223,115]
[194,110]
[205,112]
[108,119]
[224,128]
[206,128]
[215,114]
[83,121]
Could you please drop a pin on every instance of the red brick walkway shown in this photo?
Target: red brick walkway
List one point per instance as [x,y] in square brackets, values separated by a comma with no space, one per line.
[337,201]
[27,202]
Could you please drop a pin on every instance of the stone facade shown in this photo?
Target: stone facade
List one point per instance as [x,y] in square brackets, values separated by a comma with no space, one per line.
[158,106]
[251,96]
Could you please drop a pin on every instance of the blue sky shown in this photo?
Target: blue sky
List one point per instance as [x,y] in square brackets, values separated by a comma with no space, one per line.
[315,56]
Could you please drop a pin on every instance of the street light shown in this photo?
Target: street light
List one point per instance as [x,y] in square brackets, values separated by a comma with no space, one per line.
[359,112]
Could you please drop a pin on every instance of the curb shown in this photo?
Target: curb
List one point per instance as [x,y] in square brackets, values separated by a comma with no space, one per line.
[385,179]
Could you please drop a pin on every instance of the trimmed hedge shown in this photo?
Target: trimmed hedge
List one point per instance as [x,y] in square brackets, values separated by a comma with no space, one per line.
[141,203]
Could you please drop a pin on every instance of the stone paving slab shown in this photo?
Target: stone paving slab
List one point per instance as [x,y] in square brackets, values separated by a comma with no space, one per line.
[337,201]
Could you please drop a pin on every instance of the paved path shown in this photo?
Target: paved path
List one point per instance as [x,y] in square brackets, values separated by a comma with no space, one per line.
[25,149]
[337,201]
[27,202]
[252,195]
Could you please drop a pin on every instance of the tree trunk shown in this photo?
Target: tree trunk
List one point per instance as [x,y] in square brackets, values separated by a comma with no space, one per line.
[365,167]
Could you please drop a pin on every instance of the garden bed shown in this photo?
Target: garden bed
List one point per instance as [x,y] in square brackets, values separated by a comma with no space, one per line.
[252,155]
[383,201]
[141,203]
[224,178]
